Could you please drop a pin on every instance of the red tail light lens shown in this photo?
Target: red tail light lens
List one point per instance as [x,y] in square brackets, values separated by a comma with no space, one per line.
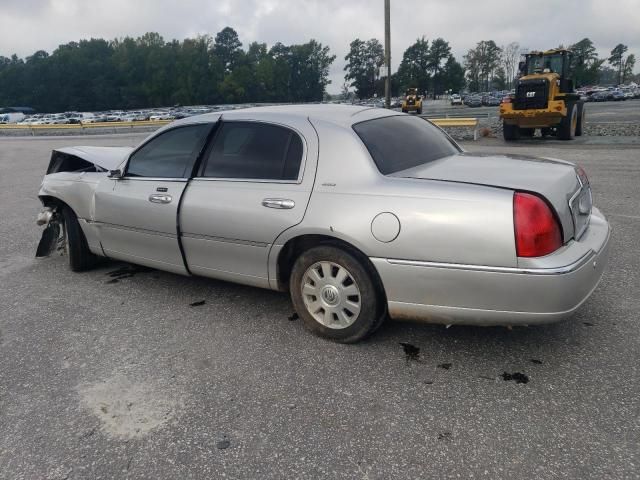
[536,229]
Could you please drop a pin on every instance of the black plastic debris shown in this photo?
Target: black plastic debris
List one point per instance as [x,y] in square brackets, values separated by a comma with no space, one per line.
[223,444]
[126,272]
[198,303]
[516,377]
[293,317]
[588,324]
[411,352]
[445,366]
[537,362]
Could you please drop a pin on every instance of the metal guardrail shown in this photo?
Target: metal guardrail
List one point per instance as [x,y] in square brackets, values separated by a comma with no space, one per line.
[441,122]
[456,122]
[85,126]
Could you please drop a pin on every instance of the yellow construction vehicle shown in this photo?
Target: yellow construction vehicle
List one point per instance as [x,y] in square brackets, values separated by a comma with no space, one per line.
[544,98]
[412,101]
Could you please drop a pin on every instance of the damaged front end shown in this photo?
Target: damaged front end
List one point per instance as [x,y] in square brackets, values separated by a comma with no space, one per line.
[54,235]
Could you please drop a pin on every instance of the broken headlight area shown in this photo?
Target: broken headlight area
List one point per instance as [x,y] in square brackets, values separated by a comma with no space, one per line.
[54,234]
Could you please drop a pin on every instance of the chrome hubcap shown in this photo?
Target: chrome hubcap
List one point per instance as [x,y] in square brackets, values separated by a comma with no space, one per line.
[331,295]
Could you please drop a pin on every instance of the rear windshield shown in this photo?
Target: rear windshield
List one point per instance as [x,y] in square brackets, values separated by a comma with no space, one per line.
[400,142]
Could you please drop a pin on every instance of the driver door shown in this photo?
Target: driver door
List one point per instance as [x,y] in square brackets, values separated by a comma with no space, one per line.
[137,214]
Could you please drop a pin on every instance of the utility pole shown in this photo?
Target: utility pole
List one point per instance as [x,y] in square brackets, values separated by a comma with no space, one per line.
[387,52]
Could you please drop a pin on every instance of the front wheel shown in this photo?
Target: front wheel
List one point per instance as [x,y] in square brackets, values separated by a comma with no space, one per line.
[567,127]
[337,296]
[510,132]
[581,120]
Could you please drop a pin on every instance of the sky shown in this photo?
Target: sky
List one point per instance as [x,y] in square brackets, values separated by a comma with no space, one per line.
[30,25]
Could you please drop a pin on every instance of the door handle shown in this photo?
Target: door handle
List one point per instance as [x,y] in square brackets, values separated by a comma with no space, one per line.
[160,198]
[281,203]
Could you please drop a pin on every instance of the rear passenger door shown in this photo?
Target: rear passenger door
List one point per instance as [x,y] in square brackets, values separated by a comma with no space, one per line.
[254,182]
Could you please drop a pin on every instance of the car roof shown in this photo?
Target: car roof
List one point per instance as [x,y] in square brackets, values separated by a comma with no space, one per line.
[343,115]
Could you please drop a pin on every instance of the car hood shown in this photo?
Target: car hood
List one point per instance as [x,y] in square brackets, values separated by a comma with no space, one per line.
[108,158]
[556,180]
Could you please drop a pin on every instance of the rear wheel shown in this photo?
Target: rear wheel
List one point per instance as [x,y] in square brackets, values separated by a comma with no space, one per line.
[567,127]
[80,257]
[336,295]
[581,120]
[510,132]
[419,111]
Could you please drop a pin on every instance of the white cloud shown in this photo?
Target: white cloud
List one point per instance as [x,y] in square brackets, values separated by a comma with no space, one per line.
[30,25]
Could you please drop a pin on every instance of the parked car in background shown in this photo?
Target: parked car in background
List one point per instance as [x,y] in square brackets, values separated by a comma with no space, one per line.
[473,101]
[358,213]
[618,96]
[161,116]
[456,99]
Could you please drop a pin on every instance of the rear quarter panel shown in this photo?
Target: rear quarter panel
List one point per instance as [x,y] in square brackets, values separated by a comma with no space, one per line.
[439,221]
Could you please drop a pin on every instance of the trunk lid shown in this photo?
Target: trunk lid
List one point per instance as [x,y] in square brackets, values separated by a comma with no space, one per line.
[556,180]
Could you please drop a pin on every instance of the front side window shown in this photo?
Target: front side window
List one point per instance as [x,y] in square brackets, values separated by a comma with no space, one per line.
[252,150]
[400,142]
[171,154]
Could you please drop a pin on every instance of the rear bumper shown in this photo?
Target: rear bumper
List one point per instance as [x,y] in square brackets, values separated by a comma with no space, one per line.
[483,295]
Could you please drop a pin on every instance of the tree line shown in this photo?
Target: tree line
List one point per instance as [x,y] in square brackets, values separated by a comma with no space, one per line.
[431,67]
[147,71]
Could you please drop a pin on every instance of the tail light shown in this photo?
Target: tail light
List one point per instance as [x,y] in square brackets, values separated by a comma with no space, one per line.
[536,229]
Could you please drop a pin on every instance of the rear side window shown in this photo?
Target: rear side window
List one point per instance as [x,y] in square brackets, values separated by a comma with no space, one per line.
[170,154]
[400,142]
[252,150]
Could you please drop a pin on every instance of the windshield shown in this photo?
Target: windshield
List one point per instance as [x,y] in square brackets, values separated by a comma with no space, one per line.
[400,142]
[538,64]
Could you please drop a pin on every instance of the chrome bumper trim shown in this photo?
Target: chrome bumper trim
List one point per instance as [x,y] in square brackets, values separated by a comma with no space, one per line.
[486,268]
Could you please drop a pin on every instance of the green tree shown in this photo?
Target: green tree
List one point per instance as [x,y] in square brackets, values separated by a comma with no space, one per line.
[414,67]
[627,71]
[586,63]
[453,75]
[617,59]
[438,53]
[227,47]
[481,63]
[363,63]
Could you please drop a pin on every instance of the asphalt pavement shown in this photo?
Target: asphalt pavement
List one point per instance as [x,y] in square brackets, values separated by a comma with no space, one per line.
[133,373]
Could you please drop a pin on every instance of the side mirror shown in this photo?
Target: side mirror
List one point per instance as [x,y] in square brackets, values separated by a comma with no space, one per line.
[115,174]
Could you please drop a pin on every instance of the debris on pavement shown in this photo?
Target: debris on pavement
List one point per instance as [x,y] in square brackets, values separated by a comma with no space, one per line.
[516,377]
[411,352]
[199,303]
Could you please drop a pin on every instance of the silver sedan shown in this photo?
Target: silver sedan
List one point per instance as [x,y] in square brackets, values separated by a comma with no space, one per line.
[360,213]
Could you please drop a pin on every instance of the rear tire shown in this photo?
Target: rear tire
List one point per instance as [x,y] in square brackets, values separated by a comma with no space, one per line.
[567,127]
[80,257]
[581,120]
[337,295]
[419,111]
[510,132]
